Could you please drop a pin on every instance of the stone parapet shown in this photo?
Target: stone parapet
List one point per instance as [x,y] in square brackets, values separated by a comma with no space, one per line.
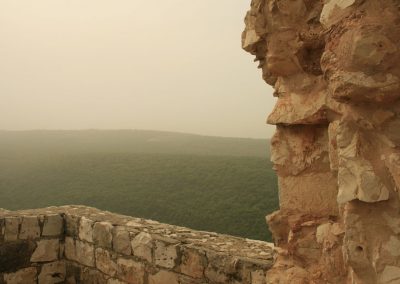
[77,244]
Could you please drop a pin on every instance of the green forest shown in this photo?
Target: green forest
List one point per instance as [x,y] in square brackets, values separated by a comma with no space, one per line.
[225,185]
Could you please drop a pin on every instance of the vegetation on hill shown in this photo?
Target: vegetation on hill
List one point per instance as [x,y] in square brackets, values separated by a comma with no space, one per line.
[206,190]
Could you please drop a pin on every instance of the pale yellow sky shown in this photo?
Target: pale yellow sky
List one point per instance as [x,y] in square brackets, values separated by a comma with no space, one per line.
[171,65]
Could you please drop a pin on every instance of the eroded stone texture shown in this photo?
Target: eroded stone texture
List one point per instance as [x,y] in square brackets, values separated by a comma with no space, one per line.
[335,67]
[52,273]
[86,229]
[121,240]
[106,262]
[104,248]
[46,250]
[130,271]
[166,252]
[26,275]
[142,246]
[102,234]
[53,225]
[164,277]
[84,253]
[11,228]
[29,228]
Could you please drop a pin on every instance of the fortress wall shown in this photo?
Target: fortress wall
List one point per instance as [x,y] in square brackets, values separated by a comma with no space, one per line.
[335,68]
[76,244]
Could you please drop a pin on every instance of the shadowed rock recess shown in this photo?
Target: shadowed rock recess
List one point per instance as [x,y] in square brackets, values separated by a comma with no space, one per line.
[77,244]
[335,67]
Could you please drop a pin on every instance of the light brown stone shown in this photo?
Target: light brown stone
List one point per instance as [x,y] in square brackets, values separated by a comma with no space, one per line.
[84,253]
[29,228]
[258,277]
[193,262]
[86,229]
[105,262]
[90,275]
[69,248]
[391,274]
[52,273]
[165,254]
[114,281]
[334,11]
[311,192]
[11,228]
[142,246]
[46,250]
[130,271]
[25,276]
[121,241]
[335,69]
[164,277]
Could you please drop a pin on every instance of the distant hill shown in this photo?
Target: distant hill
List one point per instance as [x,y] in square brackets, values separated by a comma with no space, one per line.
[129,141]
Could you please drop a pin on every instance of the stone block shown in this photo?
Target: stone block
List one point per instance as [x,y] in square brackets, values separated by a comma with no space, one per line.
[220,266]
[314,193]
[69,248]
[258,277]
[46,250]
[299,148]
[164,277]
[121,241]
[142,246]
[130,271]
[91,276]
[52,273]
[84,253]
[11,228]
[165,253]
[391,274]
[53,225]
[335,10]
[23,276]
[102,234]
[86,229]
[73,272]
[105,262]
[216,276]
[71,225]
[29,228]
[193,262]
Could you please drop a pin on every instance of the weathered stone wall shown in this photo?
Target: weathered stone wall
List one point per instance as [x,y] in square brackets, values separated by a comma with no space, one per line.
[76,244]
[335,67]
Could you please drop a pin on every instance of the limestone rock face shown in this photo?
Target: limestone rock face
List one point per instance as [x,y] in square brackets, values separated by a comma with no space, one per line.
[335,67]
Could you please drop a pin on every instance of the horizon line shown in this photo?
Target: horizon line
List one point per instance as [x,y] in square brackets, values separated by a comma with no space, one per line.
[128,129]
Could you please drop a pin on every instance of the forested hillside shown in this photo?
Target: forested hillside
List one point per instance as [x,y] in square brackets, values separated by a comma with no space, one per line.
[208,183]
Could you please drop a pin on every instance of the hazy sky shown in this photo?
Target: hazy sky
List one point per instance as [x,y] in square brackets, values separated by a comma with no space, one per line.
[130,64]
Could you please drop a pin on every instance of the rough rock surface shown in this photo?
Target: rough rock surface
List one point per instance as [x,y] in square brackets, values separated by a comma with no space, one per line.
[335,67]
[77,244]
